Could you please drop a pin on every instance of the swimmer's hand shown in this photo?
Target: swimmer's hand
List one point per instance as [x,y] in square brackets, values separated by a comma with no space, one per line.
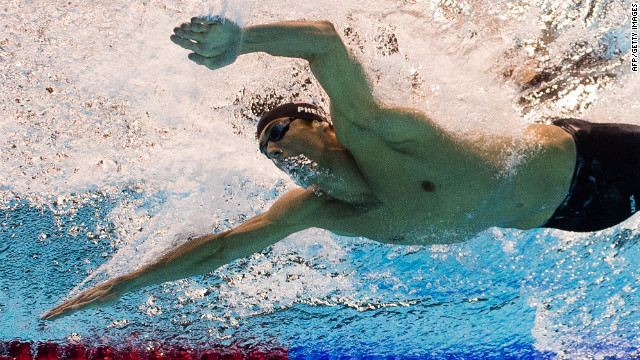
[102,295]
[215,43]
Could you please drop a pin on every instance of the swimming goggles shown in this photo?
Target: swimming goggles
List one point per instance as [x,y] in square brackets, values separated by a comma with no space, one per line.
[275,133]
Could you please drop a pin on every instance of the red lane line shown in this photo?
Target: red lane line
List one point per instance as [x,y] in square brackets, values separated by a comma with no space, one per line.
[18,350]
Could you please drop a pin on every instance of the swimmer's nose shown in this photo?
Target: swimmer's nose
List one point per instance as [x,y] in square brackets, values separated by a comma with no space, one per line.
[273,152]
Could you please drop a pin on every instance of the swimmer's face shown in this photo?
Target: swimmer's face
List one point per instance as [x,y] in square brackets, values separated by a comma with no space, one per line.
[297,147]
[274,131]
[289,136]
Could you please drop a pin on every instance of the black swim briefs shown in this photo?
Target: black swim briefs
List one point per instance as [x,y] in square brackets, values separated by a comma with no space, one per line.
[606,181]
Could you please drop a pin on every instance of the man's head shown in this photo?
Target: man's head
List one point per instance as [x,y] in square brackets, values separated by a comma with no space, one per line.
[302,143]
[275,123]
[296,137]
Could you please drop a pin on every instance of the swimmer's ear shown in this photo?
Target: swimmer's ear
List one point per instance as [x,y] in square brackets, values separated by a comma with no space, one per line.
[324,123]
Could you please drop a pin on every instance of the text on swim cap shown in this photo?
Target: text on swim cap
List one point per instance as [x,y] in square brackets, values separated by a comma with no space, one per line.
[308,110]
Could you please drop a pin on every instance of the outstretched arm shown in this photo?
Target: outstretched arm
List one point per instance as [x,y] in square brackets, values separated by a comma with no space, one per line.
[217,44]
[203,254]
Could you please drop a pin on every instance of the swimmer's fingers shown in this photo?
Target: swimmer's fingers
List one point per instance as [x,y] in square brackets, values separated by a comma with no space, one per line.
[194,27]
[200,60]
[206,44]
[189,35]
[60,311]
[65,309]
[206,48]
[186,43]
[214,20]
[72,306]
[210,39]
[98,296]
[213,63]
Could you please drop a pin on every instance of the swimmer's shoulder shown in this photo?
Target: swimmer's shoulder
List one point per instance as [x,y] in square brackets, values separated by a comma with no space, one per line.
[550,136]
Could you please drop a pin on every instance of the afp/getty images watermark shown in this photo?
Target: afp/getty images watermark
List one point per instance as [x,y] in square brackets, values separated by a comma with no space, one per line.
[634,37]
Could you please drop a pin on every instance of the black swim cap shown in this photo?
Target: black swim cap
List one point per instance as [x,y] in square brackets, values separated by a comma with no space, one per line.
[298,110]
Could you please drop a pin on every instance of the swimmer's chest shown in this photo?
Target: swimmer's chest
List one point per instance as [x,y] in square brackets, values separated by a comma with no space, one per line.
[425,179]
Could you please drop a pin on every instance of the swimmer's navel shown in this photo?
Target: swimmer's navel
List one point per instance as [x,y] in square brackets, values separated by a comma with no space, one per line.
[428,186]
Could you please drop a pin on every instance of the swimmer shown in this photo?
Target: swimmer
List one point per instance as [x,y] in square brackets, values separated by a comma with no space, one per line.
[391,174]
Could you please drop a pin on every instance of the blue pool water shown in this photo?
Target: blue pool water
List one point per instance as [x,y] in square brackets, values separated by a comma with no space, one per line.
[115,148]
[504,294]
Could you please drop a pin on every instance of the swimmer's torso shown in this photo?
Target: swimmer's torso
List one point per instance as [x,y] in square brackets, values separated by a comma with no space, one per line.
[432,189]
